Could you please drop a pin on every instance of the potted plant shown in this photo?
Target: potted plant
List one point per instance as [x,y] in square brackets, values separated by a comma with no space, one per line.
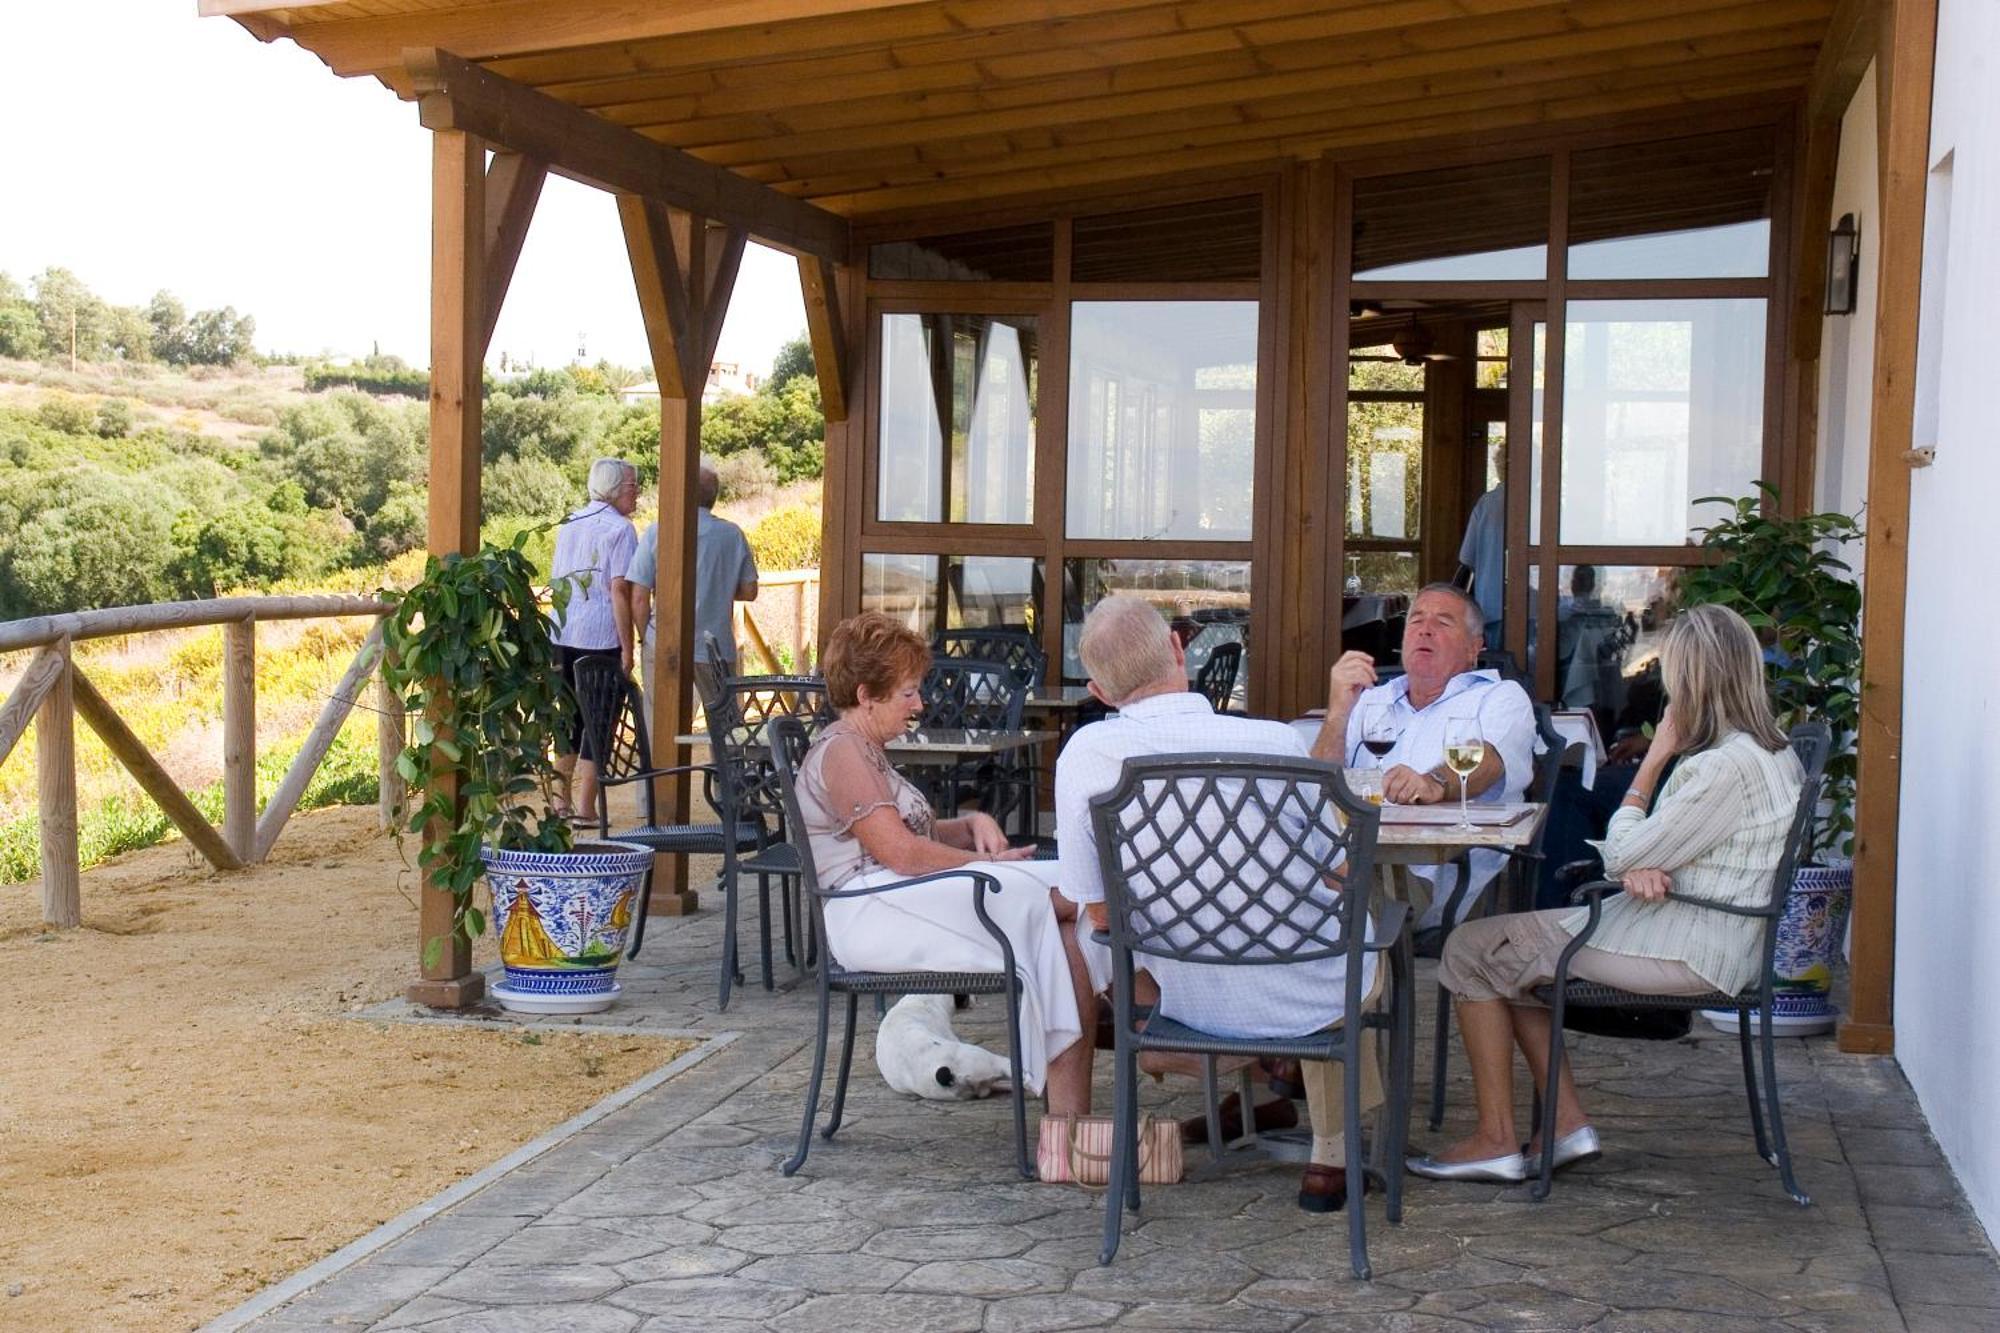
[468,651]
[1783,575]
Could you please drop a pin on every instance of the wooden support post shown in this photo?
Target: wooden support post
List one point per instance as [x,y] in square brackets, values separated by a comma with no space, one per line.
[458,324]
[817,281]
[1908,46]
[55,774]
[239,739]
[388,747]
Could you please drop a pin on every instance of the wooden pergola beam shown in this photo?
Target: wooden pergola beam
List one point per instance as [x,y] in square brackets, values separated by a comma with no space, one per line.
[663,295]
[1908,44]
[454,94]
[1844,54]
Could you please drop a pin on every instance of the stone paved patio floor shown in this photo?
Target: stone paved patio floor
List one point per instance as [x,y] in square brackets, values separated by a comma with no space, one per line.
[669,1214]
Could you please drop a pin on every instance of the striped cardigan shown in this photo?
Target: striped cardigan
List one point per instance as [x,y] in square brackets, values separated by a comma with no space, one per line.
[1719,829]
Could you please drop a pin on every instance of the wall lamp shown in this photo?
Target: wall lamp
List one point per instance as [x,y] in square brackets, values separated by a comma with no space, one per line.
[1843,265]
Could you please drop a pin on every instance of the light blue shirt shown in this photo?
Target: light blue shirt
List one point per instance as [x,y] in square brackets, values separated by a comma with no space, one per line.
[1277,1000]
[1484,552]
[722,564]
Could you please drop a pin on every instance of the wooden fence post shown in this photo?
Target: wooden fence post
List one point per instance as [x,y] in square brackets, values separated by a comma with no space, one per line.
[55,771]
[239,739]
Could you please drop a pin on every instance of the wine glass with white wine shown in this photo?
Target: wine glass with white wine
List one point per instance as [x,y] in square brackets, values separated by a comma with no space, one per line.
[1464,749]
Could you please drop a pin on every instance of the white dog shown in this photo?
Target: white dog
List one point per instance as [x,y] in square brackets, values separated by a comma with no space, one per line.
[920,1056]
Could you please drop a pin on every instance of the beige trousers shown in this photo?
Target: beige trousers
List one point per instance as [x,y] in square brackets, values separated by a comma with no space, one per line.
[1326,1080]
[1506,957]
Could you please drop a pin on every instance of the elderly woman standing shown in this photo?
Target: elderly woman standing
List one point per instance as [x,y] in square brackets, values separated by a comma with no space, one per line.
[869,826]
[593,549]
[1717,832]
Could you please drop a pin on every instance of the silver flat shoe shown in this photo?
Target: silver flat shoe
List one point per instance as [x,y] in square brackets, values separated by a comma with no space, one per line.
[1579,1145]
[1511,1169]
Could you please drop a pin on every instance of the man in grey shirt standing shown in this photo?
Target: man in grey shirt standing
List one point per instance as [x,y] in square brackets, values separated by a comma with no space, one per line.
[724,573]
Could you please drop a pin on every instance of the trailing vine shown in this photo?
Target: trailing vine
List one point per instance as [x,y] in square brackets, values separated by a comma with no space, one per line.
[468,650]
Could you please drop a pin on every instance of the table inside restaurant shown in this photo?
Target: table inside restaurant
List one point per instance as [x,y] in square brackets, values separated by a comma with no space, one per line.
[933,745]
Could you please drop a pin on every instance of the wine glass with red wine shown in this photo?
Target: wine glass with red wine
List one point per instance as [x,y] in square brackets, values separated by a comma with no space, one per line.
[1378,730]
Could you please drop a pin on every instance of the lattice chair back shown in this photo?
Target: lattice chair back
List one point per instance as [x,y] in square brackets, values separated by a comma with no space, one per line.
[1216,681]
[788,741]
[1015,649]
[738,720]
[610,705]
[963,692]
[1234,860]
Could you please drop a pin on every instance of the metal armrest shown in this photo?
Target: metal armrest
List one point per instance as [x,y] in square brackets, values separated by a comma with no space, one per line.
[1595,891]
[708,769]
[980,878]
[1714,905]
[1576,870]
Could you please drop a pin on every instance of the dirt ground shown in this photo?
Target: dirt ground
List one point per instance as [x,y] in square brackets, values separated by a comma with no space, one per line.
[185,1113]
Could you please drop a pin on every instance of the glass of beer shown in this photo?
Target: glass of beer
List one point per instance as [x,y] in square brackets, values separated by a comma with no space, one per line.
[1464,748]
[1366,784]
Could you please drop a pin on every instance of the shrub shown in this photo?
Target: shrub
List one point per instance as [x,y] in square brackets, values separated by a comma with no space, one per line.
[530,487]
[787,538]
[114,419]
[67,413]
[745,476]
[385,374]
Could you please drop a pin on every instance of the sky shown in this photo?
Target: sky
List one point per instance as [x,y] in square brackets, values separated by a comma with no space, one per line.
[146,148]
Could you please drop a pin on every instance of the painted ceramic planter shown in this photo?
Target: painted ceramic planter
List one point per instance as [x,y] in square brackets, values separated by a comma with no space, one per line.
[1810,935]
[562,918]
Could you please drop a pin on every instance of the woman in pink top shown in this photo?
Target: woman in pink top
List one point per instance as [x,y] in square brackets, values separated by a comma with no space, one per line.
[870,826]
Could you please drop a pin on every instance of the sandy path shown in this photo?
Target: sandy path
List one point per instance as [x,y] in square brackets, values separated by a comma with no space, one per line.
[184,1114]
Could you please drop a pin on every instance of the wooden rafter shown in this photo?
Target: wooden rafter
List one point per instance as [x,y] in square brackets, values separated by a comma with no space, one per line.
[829,344]
[724,262]
[663,295]
[454,94]
[513,187]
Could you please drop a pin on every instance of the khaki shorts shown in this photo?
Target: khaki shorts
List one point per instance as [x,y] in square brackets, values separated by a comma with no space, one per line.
[1507,957]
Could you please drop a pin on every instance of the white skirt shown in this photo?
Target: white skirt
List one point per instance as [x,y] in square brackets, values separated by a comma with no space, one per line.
[933,928]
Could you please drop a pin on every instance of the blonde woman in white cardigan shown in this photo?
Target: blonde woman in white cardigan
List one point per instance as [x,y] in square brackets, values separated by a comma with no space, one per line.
[1717,831]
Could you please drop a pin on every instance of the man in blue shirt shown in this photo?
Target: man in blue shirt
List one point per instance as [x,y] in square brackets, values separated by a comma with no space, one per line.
[724,573]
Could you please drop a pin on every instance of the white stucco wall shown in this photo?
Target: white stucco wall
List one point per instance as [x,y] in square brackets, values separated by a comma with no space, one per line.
[1847,350]
[1947,999]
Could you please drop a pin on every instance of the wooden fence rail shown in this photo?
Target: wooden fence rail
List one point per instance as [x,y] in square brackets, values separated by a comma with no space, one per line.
[52,692]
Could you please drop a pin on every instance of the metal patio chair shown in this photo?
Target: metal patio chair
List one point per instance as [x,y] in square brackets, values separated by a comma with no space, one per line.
[1015,649]
[787,739]
[736,717]
[610,702]
[1216,681]
[979,695]
[1225,860]
[1812,742]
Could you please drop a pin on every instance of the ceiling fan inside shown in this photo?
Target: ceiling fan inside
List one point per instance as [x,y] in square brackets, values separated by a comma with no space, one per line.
[1413,344]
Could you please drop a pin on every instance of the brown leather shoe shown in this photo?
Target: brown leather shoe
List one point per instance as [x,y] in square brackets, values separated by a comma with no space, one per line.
[1324,1189]
[1280,1114]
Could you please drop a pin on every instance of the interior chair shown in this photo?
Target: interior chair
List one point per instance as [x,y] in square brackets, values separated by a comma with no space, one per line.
[1516,880]
[979,695]
[787,739]
[610,703]
[736,718]
[1175,840]
[1812,742]
[1216,681]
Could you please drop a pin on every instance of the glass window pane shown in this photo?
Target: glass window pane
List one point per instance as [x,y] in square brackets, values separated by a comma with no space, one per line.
[1375,602]
[1385,466]
[903,586]
[1682,208]
[1206,601]
[957,419]
[1539,359]
[1211,240]
[1663,403]
[1004,254]
[979,591]
[1162,419]
[1489,221]
[1610,621]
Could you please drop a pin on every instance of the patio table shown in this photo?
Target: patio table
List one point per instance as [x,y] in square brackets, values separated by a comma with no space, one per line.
[934,745]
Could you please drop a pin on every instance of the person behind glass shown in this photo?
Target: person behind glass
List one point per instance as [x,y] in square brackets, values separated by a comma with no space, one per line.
[869,826]
[1440,684]
[593,548]
[1717,831]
